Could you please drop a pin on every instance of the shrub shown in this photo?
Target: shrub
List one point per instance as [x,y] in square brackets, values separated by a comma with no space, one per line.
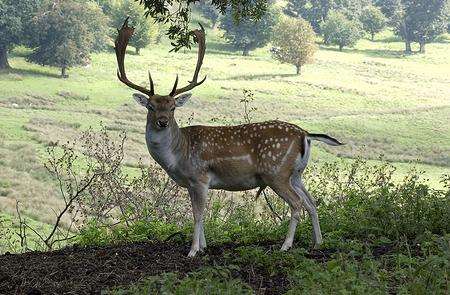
[293,41]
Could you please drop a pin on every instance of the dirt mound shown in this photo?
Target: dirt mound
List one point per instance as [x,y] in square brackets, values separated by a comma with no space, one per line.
[88,270]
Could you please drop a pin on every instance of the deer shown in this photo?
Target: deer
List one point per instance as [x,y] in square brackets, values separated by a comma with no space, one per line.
[233,158]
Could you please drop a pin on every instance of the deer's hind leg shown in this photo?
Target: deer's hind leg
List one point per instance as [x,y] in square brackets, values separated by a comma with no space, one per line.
[296,198]
[288,194]
[310,206]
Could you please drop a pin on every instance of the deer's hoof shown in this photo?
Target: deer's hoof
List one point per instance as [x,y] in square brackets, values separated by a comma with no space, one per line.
[286,246]
[193,252]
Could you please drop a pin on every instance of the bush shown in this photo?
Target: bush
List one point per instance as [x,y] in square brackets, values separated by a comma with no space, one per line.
[293,41]
[339,30]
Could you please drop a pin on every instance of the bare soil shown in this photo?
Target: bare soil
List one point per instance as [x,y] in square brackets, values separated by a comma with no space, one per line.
[89,270]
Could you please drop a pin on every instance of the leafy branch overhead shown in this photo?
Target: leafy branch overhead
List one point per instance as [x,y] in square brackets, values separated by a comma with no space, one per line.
[176,14]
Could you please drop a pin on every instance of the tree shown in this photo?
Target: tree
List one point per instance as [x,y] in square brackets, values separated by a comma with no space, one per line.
[14,25]
[294,42]
[421,21]
[145,32]
[65,33]
[247,34]
[373,20]
[177,15]
[210,12]
[339,30]
[316,11]
[387,7]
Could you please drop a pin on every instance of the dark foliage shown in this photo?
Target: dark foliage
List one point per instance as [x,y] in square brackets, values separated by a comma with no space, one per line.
[14,25]
[421,21]
[178,18]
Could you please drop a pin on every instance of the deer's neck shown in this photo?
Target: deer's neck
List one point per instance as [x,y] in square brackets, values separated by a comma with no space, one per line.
[166,146]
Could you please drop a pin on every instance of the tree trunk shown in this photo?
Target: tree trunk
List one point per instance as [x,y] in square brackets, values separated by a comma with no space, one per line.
[373,35]
[340,47]
[4,59]
[408,46]
[138,51]
[422,47]
[64,72]
[245,52]
[406,37]
[298,69]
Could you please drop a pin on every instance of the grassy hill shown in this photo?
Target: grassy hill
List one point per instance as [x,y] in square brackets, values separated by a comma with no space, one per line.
[372,97]
[379,237]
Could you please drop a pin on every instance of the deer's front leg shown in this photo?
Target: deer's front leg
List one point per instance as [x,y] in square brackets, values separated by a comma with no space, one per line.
[198,194]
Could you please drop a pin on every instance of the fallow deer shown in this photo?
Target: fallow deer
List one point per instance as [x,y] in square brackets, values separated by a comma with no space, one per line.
[235,158]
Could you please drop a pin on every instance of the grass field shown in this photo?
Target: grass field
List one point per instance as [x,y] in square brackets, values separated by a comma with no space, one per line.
[381,234]
[372,97]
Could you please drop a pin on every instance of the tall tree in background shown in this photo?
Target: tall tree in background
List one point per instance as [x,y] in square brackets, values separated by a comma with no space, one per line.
[373,20]
[209,11]
[421,21]
[294,42]
[145,32]
[427,20]
[107,6]
[316,11]
[65,33]
[15,19]
[388,8]
[248,34]
[176,14]
[339,30]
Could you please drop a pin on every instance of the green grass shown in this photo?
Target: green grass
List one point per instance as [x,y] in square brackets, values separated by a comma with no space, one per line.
[391,237]
[373,97]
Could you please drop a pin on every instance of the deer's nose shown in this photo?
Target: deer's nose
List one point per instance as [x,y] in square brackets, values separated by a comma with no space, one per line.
[162,122]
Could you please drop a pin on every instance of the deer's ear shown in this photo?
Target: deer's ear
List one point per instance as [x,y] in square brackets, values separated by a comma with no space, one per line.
[182,99]
[141,99]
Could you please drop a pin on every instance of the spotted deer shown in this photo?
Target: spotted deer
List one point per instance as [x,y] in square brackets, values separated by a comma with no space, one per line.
[234,158]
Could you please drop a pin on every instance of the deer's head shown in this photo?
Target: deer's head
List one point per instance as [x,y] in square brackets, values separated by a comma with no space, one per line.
[160,107]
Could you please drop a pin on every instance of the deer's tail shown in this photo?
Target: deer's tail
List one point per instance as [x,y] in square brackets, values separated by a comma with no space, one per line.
[324,138]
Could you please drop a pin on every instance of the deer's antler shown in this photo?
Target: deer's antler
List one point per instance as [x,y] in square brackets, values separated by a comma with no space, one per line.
[200,38]
[121,43]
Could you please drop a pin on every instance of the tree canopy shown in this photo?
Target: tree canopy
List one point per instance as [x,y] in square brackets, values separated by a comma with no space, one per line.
[341,31]
[14,25]
[248,34]
[421,21]
[373,20]
[176,13]
[209,11]
[65,33]
[146,31]
[316,11]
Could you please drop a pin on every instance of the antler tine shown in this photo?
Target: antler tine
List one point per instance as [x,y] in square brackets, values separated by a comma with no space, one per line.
[152,87]
[200,36]
[121,43]
[174,88]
